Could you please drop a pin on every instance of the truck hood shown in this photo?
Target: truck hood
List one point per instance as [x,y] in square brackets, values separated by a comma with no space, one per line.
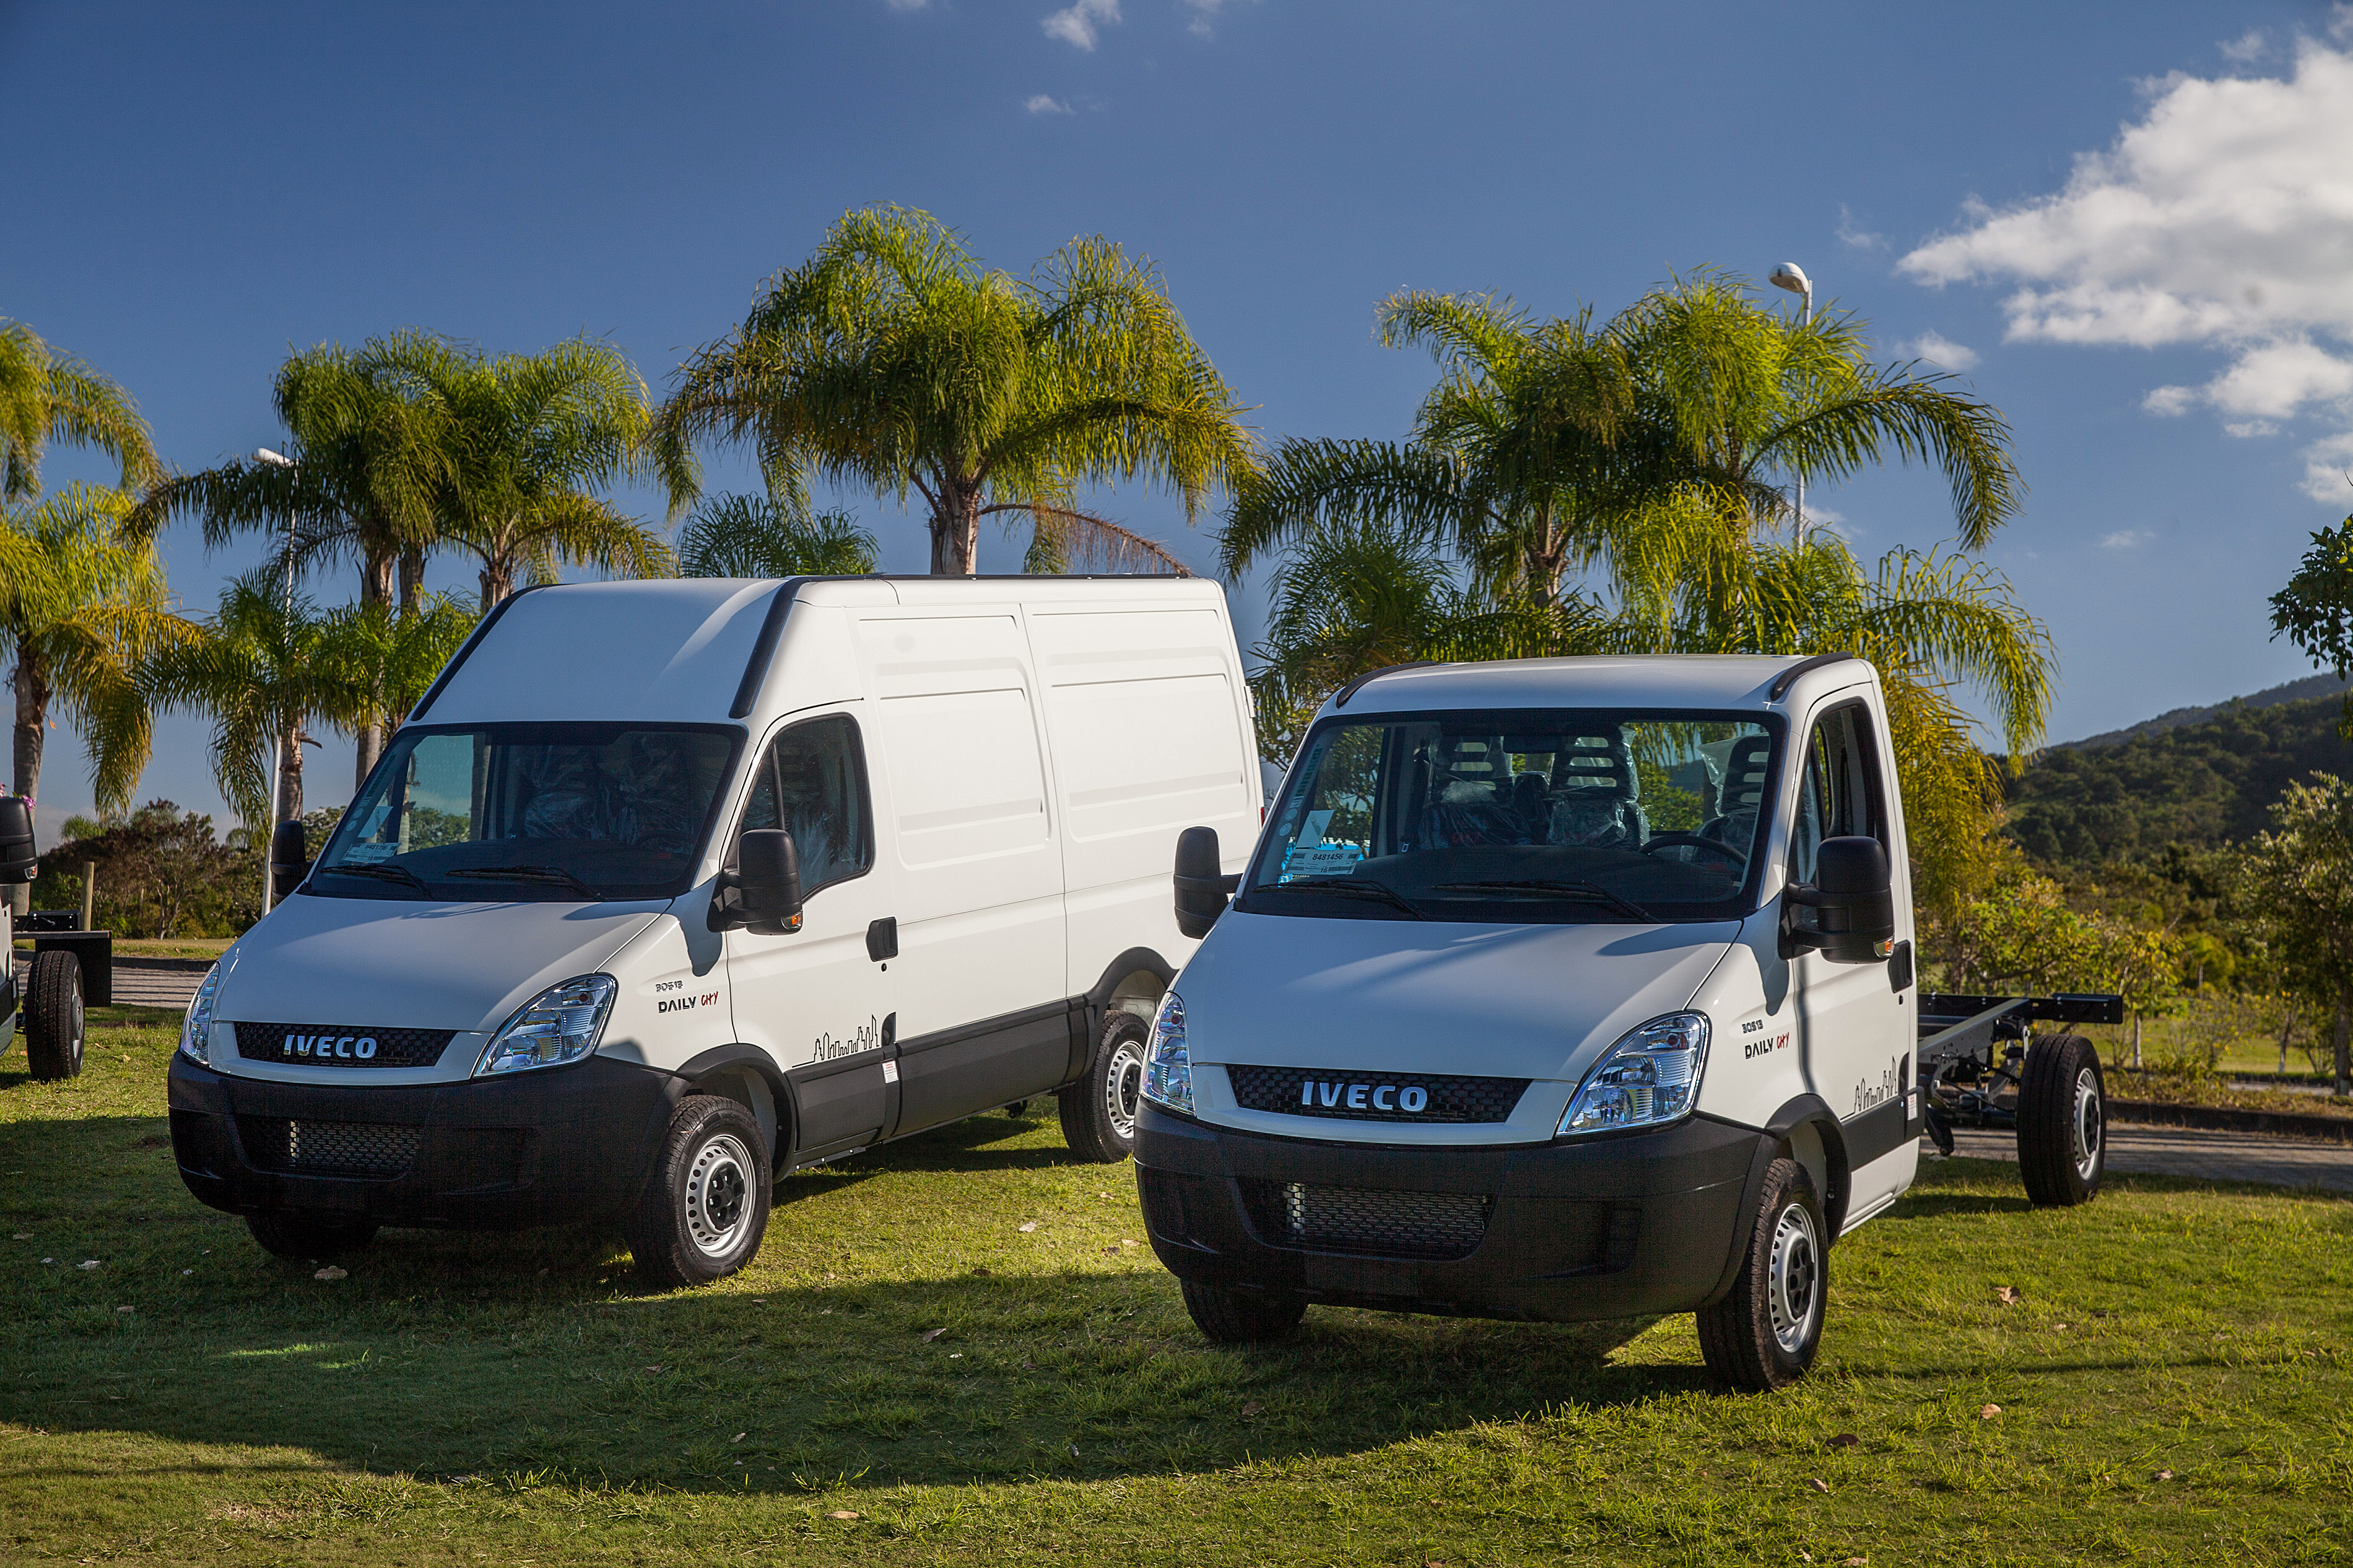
[1360,996]
[395,964]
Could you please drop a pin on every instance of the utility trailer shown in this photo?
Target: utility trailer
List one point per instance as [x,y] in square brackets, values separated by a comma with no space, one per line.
[1983,1064]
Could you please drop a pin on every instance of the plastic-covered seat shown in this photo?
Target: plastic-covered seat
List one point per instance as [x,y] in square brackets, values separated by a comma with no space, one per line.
[1742,794]
[1469,824]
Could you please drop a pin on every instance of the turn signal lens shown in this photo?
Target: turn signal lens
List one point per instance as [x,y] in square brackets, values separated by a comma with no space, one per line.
[1168,1065]
[561,1024]
[1649,1078]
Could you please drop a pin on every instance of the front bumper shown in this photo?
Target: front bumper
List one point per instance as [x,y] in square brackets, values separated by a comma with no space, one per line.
[1613,1227]
[559,1146]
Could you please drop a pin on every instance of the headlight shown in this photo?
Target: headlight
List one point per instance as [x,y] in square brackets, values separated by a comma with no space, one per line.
[1167,1064]
[1647,1080]
[196,1028]
[559,1024]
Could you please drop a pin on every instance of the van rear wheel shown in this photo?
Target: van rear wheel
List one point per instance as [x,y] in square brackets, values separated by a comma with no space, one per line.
[705,1206]
[1763,1335]
[1099,1110]
[1241,1317]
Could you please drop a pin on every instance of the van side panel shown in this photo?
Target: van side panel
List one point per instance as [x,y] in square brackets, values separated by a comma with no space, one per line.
[1150,733]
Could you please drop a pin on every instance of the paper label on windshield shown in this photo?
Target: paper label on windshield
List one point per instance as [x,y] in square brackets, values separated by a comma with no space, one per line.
[1322,861]
[370,854]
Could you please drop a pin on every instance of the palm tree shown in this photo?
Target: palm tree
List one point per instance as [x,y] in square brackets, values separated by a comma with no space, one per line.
[46,396]
[892,359]
[82,602]
[756,536]
[387,659]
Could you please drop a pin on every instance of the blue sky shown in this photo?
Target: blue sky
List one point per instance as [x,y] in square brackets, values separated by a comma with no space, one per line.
[192,191]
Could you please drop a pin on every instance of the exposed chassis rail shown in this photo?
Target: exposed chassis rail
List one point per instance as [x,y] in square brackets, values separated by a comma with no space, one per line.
[1972,1052]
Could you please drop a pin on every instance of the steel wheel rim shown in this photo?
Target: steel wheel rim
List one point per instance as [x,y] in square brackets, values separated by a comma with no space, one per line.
[719,1196]
[2090,1123]
[81,1026]
[1123,1087]
[1794,1277]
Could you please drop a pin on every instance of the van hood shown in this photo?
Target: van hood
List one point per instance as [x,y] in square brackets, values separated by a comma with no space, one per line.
[1357,996]
[395,964]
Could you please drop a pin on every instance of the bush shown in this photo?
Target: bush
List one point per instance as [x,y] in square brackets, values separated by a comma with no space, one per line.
[160,873]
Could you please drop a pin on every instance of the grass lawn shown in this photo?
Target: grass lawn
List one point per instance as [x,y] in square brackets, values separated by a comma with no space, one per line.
[2175,1385]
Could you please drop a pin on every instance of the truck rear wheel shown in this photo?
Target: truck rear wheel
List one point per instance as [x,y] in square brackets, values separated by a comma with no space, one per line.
[1241,1317]
[303,1238]
[2063,1122]
[1099,1110]
[55,1019]
[1764,1334]
[705,1208]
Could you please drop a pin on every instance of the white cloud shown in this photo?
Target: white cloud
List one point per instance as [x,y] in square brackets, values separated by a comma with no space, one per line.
[1077,24]
[1039,103]
[908,5]
[2222,217]
[1835,522]
[2246,47]
[1850,233]
[2328,471]
[1943,353]
[2247,427]
[2127,539]
[1205,12]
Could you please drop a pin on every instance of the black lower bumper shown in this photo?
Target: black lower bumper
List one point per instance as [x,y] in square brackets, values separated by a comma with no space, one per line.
[564,1145]
[1620,1225]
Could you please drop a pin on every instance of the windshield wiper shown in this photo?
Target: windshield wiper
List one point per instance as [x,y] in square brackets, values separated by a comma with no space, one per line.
[389,873]
[1362,887]
[1593,890]
[528,874]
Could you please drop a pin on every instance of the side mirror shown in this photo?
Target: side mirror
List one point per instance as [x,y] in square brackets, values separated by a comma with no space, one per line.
[1852,895]
[1202,886]
[19,860]
[768,881]
[289,860]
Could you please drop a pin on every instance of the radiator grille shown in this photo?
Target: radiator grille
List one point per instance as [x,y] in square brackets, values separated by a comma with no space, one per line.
[298,1043]
[1304,1091]
[306,1148]
[1379,1223]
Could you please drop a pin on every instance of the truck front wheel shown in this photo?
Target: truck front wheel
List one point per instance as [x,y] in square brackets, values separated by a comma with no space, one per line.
[705,1206]
[1240,1316]
[2063,1122]
[290,1234]
[1763,1333]
[55,1019]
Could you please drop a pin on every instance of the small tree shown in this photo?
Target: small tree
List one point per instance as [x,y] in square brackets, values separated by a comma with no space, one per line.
[160,873]
[2300,887]
[2315,611]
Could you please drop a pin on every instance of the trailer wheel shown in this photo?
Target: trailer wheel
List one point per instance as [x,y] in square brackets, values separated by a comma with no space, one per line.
[1763,1333]
[705,1208]
[291,1233]
[2062,1116]
[1099,1110]
[55,1019]
[1241,1317]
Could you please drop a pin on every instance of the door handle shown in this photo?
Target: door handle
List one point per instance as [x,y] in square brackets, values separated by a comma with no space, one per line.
[883,938]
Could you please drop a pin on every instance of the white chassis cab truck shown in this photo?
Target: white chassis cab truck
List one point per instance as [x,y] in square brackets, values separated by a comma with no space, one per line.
[666,888]
[1566,989]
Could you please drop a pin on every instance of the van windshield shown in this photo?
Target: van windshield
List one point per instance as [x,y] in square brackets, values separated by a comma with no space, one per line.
[541,812]
[1546,815]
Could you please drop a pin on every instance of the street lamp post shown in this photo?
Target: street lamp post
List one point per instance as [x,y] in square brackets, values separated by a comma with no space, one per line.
[277,741]
[1792,277]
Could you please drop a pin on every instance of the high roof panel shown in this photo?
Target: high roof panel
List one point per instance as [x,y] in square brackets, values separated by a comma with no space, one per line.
[1673,680]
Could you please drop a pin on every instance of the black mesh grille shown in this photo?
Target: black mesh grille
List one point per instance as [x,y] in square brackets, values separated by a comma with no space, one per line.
[1439,1225]
[329,1148]
[299,1043]
[1319,1092]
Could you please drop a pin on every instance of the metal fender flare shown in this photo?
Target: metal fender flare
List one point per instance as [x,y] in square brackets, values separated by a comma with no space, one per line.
[779,1116]
[1807,1111]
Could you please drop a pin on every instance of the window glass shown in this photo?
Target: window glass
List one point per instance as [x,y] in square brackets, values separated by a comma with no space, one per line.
[1526,814]
[1838,796]
[813,788]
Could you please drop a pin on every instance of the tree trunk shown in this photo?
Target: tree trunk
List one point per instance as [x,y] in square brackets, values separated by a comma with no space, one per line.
[956,530]
[2344,1046]
[32,722]
[412,582]
[498,583]
[289,774]
[376,589]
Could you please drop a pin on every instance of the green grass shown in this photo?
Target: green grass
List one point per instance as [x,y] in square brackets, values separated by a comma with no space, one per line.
[461,1399]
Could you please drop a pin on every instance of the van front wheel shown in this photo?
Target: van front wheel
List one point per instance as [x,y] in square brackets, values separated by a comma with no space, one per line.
[1240,1316]
[1099,1110]
[705,1206]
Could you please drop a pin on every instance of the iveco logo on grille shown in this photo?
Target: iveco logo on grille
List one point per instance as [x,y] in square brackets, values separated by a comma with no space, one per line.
[342,1048]
[1411,1099]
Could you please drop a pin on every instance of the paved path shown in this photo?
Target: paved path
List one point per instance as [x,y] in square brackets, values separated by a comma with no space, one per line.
[2181,1151]
[138,987]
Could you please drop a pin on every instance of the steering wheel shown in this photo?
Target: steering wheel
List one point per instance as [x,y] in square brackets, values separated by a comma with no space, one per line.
[1692,840]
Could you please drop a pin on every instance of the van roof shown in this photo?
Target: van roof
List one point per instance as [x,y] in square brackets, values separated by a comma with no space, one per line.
[1646,680]
[679,649]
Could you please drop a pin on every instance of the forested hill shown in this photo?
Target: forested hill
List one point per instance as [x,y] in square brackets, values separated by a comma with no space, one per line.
[2204,784]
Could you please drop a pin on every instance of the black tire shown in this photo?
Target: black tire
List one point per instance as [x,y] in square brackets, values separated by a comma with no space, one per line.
[308,1238]
[2063,1122]
[705,1206]
[55,1019]
[1099,1110]
[1764,1334]
[1241,1317]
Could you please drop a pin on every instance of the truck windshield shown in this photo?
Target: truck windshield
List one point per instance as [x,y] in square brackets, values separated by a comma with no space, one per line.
[1548,815]
[539,812]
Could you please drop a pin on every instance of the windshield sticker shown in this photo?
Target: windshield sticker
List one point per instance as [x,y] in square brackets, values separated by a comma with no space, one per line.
[1318,824]
[1320,860]
[370,854]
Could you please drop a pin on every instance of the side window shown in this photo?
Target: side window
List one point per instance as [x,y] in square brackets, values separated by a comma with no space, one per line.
[812,783]
[1839,793]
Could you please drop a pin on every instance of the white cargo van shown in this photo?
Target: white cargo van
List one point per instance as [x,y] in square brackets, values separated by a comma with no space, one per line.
[1574,989]
[669,887]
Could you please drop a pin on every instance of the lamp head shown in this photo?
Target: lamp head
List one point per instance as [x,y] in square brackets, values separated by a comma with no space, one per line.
[275,459]
[1792,277]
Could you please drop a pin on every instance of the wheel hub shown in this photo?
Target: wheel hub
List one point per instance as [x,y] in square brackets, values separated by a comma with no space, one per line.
[1794,1275]
[719,1196]
[2090,1123]
[1123,1087]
